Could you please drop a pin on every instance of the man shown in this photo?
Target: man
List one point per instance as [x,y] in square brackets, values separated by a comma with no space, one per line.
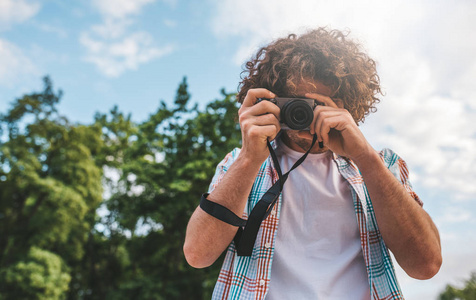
[339,210]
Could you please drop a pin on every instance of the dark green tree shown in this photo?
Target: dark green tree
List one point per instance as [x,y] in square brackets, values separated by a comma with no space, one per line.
[467,292]
[146,179]
[50,188]
[41,275]
[163,165]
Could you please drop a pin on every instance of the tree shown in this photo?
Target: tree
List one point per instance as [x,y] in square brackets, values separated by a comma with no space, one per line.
[42,275]
[468,292]
[50,188]
[164,163]
[54,245]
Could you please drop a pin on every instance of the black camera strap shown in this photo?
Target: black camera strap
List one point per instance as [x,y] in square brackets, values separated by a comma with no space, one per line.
[248,229]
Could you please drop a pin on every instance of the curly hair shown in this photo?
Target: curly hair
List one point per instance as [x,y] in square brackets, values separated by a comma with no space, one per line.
[318,55]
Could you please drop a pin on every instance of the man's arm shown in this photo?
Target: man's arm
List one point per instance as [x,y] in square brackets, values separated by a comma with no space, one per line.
[206,237]
[406,228]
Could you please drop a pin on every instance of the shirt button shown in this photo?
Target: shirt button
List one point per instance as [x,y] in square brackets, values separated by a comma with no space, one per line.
[261,282]
[267,245]
[273,212]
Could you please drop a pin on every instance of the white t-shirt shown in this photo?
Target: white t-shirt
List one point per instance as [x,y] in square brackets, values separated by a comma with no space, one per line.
[318,253]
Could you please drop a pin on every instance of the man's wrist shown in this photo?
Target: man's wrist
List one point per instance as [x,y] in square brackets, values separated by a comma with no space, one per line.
[368,159]
[248,163]
[251,159]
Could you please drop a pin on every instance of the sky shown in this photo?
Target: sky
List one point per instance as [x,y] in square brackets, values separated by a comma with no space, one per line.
[135,53]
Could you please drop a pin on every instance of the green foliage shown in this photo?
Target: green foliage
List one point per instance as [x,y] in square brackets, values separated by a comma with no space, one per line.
[467,292]
[147,178]
[42,275]
[50,185]
[164,163]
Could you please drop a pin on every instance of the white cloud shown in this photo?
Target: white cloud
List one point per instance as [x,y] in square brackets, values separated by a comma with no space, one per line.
[256,22]
[434,132]
[127,53]
[112,28]
[112,46]
[119,9]
[15,66]
[16,11]
[170,23]
[454,215]
[59,31]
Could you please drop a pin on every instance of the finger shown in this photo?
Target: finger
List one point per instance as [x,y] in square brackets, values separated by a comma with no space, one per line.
[318,111]
[269,131]
[254,94]
[274,133]
[264,107]
[339,102]
[264,120]
[322,99]
[247,115]
[334,122]
[259,126]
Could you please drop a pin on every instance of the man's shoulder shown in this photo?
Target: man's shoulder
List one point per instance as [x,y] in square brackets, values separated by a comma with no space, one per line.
[229,159]
[389,157]
[235,152]
[387,152]
[231,156]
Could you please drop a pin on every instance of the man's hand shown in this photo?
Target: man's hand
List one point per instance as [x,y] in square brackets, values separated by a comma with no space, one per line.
[335,127]
[259,123]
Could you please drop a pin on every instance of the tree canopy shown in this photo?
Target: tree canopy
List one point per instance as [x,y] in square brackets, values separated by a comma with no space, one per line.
[467,292]
[99,211]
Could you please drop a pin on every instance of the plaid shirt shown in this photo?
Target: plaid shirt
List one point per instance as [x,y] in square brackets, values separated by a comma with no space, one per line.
[243,277]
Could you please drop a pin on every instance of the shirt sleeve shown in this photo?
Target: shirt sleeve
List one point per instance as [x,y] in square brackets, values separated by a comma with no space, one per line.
[222,168]
[399,169]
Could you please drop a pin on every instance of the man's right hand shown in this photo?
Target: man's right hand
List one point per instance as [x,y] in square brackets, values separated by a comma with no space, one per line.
[207,237]
[259,123]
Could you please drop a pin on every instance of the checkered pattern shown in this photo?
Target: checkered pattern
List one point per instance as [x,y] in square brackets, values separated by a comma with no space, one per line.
[243,277]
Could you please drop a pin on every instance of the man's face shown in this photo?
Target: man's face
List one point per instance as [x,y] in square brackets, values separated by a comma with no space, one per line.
[291,137]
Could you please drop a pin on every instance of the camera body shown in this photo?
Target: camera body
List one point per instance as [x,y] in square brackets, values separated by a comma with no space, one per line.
[296,113]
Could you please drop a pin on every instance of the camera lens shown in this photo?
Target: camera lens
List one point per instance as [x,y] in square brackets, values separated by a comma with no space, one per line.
[297,114]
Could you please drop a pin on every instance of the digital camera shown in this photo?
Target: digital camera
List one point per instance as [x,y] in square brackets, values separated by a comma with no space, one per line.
[296,113]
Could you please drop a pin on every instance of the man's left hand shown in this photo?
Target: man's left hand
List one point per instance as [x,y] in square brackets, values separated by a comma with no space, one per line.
[335,127]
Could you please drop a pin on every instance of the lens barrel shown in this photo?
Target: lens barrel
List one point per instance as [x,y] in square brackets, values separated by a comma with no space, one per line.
[297,114]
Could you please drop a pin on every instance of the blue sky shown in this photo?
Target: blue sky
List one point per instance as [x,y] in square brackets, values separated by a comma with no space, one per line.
[134,54]
[160,42]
